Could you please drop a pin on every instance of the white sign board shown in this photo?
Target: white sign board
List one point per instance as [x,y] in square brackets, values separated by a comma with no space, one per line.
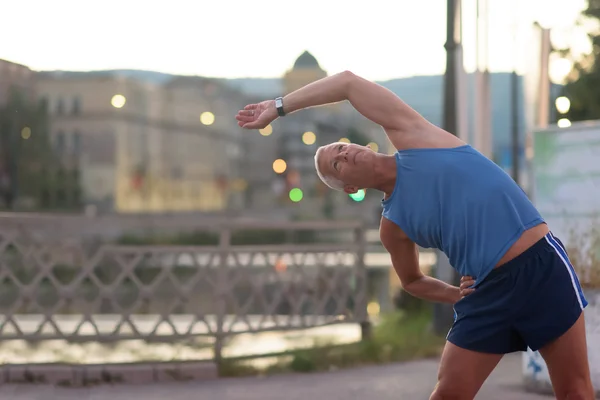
[566,191]
[566,178]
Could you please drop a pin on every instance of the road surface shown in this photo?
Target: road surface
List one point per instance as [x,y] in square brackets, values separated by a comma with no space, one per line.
[412,380]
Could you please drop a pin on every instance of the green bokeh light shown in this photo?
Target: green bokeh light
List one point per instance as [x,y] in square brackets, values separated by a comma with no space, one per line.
[296,195]
[358,196]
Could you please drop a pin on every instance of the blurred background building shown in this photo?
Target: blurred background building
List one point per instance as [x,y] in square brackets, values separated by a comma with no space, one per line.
[137,141]
[131,141]
[142,146]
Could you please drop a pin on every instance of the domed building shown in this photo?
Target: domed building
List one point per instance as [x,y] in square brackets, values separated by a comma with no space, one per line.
[306,69]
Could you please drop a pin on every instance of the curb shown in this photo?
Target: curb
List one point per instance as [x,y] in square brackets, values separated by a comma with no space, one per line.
[80,375]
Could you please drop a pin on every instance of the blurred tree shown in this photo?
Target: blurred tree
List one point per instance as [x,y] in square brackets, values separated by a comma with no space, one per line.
[31,173]
[584,79]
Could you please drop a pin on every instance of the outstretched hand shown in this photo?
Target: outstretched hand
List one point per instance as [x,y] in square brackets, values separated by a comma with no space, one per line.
[257,116]
[465,283]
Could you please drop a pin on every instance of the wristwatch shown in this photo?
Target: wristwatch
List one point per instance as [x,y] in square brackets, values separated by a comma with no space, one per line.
[279,106]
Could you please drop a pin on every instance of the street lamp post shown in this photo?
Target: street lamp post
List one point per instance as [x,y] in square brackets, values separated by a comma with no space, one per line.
[444,313]
[453,50]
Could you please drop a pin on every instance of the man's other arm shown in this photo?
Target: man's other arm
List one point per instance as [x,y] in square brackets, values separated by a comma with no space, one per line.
[405,260]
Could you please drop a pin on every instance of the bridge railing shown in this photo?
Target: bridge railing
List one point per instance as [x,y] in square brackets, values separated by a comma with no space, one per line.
[58,287]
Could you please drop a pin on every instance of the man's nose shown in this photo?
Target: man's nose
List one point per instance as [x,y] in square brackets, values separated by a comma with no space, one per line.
[342,156]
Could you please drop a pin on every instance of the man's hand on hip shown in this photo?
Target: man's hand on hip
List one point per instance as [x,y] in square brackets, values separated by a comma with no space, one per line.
[465,286]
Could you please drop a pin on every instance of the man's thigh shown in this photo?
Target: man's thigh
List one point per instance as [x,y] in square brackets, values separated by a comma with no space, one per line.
[568,365]
[462,372]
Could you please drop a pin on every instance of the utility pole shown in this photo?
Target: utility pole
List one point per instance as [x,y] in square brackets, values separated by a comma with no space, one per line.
[514,107]
[482,135]
[514,103]
[444,313]
[453,50]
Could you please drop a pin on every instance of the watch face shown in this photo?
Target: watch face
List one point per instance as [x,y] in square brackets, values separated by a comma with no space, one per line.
[279,106]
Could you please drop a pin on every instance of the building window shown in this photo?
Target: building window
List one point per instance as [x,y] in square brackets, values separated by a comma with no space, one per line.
[44,103]
[60,106]
[60,142]
[76,106]
[76,142]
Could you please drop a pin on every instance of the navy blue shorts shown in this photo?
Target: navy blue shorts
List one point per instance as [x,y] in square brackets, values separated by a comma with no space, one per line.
[527,302]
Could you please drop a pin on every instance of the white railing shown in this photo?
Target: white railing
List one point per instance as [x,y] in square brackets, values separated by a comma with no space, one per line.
[57,287]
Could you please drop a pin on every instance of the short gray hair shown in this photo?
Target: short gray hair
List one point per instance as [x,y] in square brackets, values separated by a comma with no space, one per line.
[331,182]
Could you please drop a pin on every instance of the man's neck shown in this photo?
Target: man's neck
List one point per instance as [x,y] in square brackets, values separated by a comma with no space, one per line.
[385,171]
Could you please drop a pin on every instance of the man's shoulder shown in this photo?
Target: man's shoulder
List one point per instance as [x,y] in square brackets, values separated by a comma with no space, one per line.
[430,137]
[389,230]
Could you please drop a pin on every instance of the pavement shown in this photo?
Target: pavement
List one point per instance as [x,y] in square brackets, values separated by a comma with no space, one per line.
[411,380]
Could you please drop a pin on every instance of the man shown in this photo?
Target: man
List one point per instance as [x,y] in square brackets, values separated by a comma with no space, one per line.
[441,193]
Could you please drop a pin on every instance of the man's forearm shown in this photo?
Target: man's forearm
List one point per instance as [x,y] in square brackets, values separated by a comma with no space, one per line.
[331,89]
[432,289]
[372,100]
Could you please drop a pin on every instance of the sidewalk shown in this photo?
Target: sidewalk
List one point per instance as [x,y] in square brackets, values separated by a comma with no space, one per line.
[412,381]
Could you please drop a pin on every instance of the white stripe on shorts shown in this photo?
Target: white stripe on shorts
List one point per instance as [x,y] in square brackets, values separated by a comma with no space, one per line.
[568,267]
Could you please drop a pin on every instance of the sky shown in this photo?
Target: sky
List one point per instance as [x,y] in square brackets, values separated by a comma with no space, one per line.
[377,39]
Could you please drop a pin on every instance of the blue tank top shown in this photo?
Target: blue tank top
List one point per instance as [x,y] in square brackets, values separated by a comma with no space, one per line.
[460,202]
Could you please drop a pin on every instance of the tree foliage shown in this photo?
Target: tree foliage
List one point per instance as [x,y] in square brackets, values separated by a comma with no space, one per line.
[583,86]
[32,175]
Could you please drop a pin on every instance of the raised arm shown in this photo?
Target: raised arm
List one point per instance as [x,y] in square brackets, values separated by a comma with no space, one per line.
[373,101]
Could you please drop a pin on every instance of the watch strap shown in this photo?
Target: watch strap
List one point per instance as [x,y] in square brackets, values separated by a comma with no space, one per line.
[279,106]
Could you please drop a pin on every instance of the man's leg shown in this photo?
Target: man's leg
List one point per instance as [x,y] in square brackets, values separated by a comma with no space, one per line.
[553,321]
[462,373]
[567,361]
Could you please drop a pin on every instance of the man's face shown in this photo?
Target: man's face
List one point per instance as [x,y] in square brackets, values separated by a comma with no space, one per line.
[350,163]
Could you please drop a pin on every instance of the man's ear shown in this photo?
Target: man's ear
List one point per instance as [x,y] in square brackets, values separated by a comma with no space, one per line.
[349,189]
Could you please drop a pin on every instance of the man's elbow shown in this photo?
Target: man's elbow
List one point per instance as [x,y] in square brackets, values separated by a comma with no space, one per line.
[410,284]
[349,79]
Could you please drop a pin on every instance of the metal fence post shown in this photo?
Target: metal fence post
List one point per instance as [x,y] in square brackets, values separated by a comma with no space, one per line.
[220,291]
[361,294]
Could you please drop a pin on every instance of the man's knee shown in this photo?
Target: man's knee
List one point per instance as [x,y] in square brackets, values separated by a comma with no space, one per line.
[446,390]
[580,395]
[580,392]
[572,388]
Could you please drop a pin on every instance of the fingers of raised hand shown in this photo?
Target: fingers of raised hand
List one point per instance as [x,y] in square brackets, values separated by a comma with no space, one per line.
[246,115]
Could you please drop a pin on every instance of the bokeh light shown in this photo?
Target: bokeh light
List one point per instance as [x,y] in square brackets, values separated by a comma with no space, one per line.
[266,131]
[26,132]
[279,166]
[207,118]
[296,195]
[358,196]
[309,138]
[373,308]
[563,105]
[563,123]
[118,101]
[344,140]
[559,68]
[373,146]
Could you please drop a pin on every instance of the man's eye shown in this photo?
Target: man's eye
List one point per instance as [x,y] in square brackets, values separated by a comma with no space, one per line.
[340,147]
